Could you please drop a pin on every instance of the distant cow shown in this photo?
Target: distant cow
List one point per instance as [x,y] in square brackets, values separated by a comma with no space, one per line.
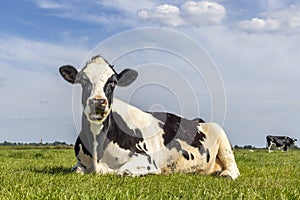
[119,138]
[280,141]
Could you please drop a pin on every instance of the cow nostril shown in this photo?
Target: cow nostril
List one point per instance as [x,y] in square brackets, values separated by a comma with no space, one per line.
[103,102]
[97,102]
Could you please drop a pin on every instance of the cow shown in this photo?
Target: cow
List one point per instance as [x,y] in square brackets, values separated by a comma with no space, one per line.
[119,138]
[280,141]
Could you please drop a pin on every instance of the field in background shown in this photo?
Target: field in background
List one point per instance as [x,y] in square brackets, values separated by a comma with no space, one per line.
[44,173]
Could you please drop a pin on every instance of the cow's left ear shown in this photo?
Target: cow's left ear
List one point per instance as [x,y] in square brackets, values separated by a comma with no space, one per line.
[126,77]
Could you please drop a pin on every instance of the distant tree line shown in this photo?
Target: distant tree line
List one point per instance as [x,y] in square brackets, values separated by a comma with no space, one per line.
[252,147]
[56,143]
[244,147]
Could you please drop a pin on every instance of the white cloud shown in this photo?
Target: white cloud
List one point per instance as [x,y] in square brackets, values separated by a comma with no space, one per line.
[25,53]
[50,4]
[189,13]
[203,12]
[86,11]
[259,25]
[128,7]
[283,20]
[165,14]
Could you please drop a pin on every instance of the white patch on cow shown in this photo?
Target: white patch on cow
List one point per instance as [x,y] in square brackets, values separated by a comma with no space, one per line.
[270,146]
[103,168]
[115,156]
[137,119]
[96,128]
[98,74]
[98,69]
[138,165]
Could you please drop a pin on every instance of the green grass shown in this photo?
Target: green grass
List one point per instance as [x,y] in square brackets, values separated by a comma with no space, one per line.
[44,173]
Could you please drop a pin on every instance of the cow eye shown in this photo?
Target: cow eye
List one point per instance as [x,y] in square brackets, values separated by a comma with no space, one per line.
[114,83]
[84,81]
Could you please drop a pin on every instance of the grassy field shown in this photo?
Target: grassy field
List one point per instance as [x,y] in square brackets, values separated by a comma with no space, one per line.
[44,173]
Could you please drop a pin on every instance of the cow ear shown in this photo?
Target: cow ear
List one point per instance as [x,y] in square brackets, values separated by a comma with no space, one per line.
[126,77]
[69,73]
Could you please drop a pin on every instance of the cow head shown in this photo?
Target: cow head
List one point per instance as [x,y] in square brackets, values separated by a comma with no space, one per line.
[294,140]
[98,80]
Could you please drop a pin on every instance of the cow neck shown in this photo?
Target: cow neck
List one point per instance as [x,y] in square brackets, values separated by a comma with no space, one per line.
[93,136]
[101,139]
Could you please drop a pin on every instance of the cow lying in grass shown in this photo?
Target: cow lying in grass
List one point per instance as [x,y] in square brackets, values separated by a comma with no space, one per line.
[119,138]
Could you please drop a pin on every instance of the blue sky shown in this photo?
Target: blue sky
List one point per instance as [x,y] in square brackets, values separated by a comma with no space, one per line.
[253,43]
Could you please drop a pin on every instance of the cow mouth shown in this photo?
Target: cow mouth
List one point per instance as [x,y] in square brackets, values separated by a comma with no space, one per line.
[97,116]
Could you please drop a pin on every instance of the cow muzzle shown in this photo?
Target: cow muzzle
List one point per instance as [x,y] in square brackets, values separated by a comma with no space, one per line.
[98,108]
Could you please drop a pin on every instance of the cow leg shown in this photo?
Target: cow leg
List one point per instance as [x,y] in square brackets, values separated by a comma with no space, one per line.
[224,162]
[226,156]
[269,148]
[78,168]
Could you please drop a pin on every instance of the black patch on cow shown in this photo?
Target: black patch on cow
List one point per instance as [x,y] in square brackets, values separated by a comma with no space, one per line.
[207,155]
[86,85]
[192,156]
[176,127]
[148,168]
[109,88]
[197,141]
[145,147]
[139,146]
[185,154]
[84,149]
[154,163]
[83,166]
[121,134]
[149,159]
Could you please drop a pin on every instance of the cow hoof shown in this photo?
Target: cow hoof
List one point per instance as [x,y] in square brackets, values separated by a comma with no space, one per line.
[77,170]
[229,175]
[125,173]
[216,173]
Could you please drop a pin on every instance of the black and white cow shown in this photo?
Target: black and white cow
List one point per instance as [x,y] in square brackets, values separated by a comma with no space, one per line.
[119,138]
[280,141]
